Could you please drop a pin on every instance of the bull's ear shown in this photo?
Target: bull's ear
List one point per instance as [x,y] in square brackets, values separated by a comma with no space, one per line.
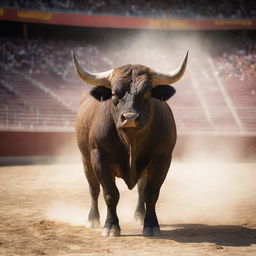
[163,92]
[101,93]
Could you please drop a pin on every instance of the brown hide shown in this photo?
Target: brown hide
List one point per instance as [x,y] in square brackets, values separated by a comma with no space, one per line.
[129,152]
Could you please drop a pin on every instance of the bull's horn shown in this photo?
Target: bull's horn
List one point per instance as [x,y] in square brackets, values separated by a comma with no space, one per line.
[102,78]
[170,77]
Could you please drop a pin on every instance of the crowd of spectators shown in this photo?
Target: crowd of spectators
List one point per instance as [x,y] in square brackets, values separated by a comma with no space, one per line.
[237,60]
[38,56]
[52,56]
[155,8]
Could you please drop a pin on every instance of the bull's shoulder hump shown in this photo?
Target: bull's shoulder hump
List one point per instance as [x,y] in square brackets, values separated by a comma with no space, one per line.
[95,114]
[88,108]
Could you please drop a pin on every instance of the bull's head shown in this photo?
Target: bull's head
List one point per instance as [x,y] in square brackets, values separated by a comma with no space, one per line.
[132,89]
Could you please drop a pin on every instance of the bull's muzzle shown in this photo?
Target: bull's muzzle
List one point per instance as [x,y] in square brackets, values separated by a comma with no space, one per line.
[129,119]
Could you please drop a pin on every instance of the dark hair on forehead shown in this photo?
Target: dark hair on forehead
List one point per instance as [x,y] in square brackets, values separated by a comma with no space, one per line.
[134,78]
[140,84]
[140,79]
[121,80]
[123,72]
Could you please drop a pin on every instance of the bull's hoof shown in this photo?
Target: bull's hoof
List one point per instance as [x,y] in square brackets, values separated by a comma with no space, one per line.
[151,231]
[114,232]
[93,224]
[111,232]
[105,232]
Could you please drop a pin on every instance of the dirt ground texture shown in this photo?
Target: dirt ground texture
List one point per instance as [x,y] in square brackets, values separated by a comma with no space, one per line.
[203,209]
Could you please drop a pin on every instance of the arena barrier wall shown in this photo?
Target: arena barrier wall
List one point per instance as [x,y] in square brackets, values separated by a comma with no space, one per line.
[188,147]
[104,21]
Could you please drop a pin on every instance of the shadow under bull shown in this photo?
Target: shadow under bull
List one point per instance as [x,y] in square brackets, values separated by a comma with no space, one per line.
[225,235]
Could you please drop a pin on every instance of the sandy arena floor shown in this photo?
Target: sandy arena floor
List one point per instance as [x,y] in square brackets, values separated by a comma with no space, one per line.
[204,209]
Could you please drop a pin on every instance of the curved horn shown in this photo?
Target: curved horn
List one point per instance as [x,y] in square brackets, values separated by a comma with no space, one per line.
[96,79]
[170,77]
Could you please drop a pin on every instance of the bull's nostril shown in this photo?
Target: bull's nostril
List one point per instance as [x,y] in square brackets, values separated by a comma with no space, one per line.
[130,116]
[123,118]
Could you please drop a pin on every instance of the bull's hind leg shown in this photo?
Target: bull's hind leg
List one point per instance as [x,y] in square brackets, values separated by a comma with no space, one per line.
[140,208]
[111,193]
[94,188]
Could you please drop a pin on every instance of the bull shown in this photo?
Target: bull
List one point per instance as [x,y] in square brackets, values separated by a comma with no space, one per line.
[126,129]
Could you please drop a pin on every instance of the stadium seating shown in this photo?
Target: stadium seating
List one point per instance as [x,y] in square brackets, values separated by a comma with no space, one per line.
[25,106]
[36,94]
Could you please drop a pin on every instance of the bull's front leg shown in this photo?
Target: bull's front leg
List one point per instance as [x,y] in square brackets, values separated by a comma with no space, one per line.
[155,178]
[106,177]
[111,196]
[139,214]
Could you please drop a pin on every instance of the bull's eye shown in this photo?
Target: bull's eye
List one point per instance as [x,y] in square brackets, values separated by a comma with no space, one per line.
[115,99]
[147,94]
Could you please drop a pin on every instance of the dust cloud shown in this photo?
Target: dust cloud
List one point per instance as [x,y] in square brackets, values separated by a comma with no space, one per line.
[210,193]
[205,193]
[159,50]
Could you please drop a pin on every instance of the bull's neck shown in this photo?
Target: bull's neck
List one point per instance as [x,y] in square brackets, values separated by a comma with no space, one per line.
[134,143]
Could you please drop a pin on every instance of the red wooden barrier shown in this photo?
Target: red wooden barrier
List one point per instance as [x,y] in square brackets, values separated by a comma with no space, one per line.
[104,21]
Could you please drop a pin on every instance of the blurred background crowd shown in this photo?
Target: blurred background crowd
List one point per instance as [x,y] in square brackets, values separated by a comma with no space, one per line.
[52,56]
[155,8]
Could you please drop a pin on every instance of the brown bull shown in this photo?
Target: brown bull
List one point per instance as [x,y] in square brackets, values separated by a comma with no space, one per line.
[126,129]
